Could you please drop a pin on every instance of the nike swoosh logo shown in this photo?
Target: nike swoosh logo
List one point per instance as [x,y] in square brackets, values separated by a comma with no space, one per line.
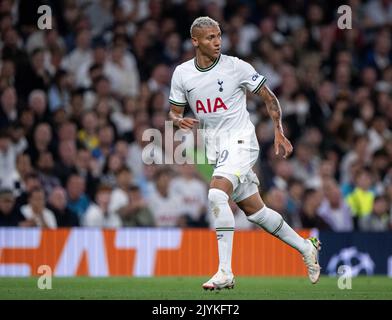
[191,90]
[221,165]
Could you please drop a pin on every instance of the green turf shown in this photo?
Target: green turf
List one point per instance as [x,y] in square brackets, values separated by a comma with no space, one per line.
[177,288]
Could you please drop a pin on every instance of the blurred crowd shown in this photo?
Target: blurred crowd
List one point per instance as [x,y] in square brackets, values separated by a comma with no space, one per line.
[76,99]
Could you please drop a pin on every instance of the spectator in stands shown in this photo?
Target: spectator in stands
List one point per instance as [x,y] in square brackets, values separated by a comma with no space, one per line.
[188,188]
[321,106]
[10,216]
[379,219]
[57,203]
[88,134]
[88,168]
[366,115]
[136,159]
[35,212]
[360,153]
[8,107]
[38,102]
[81,54]
[377,13]
[172,50]
[100,15]
[101,90]
[95,68]
[67,155]
[136,213]
[305,164]
[67,131]
[76,106]
[30,182]
[98,213]
[333,208]
[77,201]
[160,79]
[59,93]
[112,165]
[8,154]
[379,168]
[42,141]
[361,199]
[23,169]
[378,133]
[295,192]
[119,197]
[122,71]
[46,173]
[34,76]
[121,150]
[105,145]
[167,208]
[124,119]
[26,120]
[309,217]
[103,110]
[7,74]
[12,48]
[380,55]
[283,170]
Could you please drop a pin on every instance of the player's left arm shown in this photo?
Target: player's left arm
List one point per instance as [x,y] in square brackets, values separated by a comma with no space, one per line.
[275,112]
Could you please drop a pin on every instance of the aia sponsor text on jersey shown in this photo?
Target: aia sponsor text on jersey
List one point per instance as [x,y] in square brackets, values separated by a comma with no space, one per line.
[208,107]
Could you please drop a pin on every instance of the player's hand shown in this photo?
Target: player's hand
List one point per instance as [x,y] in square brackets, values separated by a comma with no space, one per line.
[281,140]
[187,123]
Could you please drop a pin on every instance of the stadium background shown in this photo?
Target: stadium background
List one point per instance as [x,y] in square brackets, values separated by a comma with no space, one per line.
[76,99]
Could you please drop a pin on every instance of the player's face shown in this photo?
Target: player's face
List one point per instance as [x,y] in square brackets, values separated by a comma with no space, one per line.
[208,41]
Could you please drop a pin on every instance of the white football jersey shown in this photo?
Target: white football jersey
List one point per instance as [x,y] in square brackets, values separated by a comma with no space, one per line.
[217,96]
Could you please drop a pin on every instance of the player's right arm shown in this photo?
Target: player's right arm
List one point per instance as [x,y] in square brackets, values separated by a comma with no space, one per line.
[178,102]
[176,114]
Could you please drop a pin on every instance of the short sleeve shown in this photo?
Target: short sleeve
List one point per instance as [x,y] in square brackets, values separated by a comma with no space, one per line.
[249,77]
[177,94]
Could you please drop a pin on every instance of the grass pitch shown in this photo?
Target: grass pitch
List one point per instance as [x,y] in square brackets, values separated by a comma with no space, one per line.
[189,288]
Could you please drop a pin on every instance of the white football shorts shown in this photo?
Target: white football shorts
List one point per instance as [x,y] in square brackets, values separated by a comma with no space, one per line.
[235,160]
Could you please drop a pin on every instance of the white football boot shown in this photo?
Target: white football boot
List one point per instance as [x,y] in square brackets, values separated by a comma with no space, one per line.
[220,280]
[311,260]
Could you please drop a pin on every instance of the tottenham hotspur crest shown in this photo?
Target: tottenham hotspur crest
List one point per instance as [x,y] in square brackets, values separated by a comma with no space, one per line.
[220,82]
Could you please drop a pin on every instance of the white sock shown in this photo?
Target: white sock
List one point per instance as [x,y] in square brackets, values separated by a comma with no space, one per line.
[272,222]
[224,225]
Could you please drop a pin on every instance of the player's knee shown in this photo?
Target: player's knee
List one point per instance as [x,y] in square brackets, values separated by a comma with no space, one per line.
[219,205]
[217,197]
[260,216]
[266,218]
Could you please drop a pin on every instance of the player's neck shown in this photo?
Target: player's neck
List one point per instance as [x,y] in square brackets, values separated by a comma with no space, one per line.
[204,61]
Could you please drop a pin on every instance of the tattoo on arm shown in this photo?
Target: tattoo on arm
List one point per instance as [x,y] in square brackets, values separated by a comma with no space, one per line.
[273,106]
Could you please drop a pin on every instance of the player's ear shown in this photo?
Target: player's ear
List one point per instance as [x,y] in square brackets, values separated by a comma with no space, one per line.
[195,42]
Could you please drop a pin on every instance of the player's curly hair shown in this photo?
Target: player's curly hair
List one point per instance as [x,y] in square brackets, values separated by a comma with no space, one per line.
[202,22]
